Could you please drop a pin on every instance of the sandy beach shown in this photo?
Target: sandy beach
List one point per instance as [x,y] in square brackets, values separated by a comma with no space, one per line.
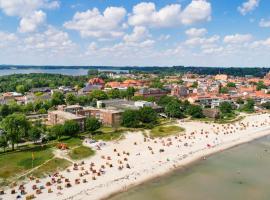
[122,164]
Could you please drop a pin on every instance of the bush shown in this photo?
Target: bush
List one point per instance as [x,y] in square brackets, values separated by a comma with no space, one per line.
[92,124]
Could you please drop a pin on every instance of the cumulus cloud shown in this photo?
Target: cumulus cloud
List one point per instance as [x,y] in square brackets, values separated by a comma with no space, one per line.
[195,32]
[264,23]
[237,38]
[261,43]
[7,39]
[93,23]
[146,14]
[28,11]
[139,33]
[52,40]
[248,6]
[196,11]
[31,23]
[202,40]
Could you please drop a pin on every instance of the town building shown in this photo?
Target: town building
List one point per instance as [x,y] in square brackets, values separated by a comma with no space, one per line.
[179,91]
[151,92]
[93,84]
[221,77]
[60,117]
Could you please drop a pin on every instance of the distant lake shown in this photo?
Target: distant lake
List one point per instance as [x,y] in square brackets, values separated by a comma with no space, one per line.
[72,71]
[238,173]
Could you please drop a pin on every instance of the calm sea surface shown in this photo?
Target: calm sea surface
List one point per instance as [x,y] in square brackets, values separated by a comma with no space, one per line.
[74,72]
[240,173]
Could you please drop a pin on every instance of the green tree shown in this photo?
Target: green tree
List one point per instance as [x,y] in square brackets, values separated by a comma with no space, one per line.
[138,98]
[57,131]
[99,95]
[3,142]
[231,84]
[195,111]
[42,111]
[156,83]
[16,126]
[58,98]
[114,93]
[4,110]
[71,128]
[131,118]
[172,109]
[29,107]
[148,115]
[92,124]
[261,85]
[249,105]
[34,134]
[225,107]
[223,90]
[21,89]
[164,100]
[130,92]
[195,84]
[71,99]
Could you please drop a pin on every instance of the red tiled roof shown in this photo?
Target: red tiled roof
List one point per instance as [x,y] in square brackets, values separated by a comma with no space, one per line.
[96,81]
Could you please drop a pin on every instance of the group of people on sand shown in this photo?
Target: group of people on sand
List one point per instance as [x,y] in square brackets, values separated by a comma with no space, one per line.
[118,158]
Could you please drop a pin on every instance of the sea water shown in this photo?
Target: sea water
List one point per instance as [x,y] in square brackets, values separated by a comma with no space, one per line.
[239,173]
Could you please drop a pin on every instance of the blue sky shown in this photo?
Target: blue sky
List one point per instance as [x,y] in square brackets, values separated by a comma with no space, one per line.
[133,32]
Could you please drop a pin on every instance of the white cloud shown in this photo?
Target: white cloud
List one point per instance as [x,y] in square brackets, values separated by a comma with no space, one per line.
[237,38]
[23,8]
[164,37]
[31,23]
[248,6]
[202,40]
[139,33]
[194,32]
[212,50]
[92,23]
[7,39]
[264,23]
[197,11]
[52,40]
[31,17]
[146,14]
[261,43]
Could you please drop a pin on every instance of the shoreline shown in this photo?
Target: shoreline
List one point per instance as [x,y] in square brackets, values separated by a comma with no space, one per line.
[188,162]
[147,159]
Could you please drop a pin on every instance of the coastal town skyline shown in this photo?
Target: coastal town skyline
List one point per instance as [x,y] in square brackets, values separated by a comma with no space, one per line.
[142,33]
[134,100]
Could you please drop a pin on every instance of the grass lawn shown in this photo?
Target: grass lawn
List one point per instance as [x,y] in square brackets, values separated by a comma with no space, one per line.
[108,136]
[70,141]
[163,131]
[51,166]
[109,133]
[18,162]
[15,163]
[81,152]
[228,119]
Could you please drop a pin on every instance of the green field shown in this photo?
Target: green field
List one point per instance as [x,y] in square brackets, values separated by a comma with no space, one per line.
[163,131]
[51,166]
[81,152]
[16,165]
[18,162]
